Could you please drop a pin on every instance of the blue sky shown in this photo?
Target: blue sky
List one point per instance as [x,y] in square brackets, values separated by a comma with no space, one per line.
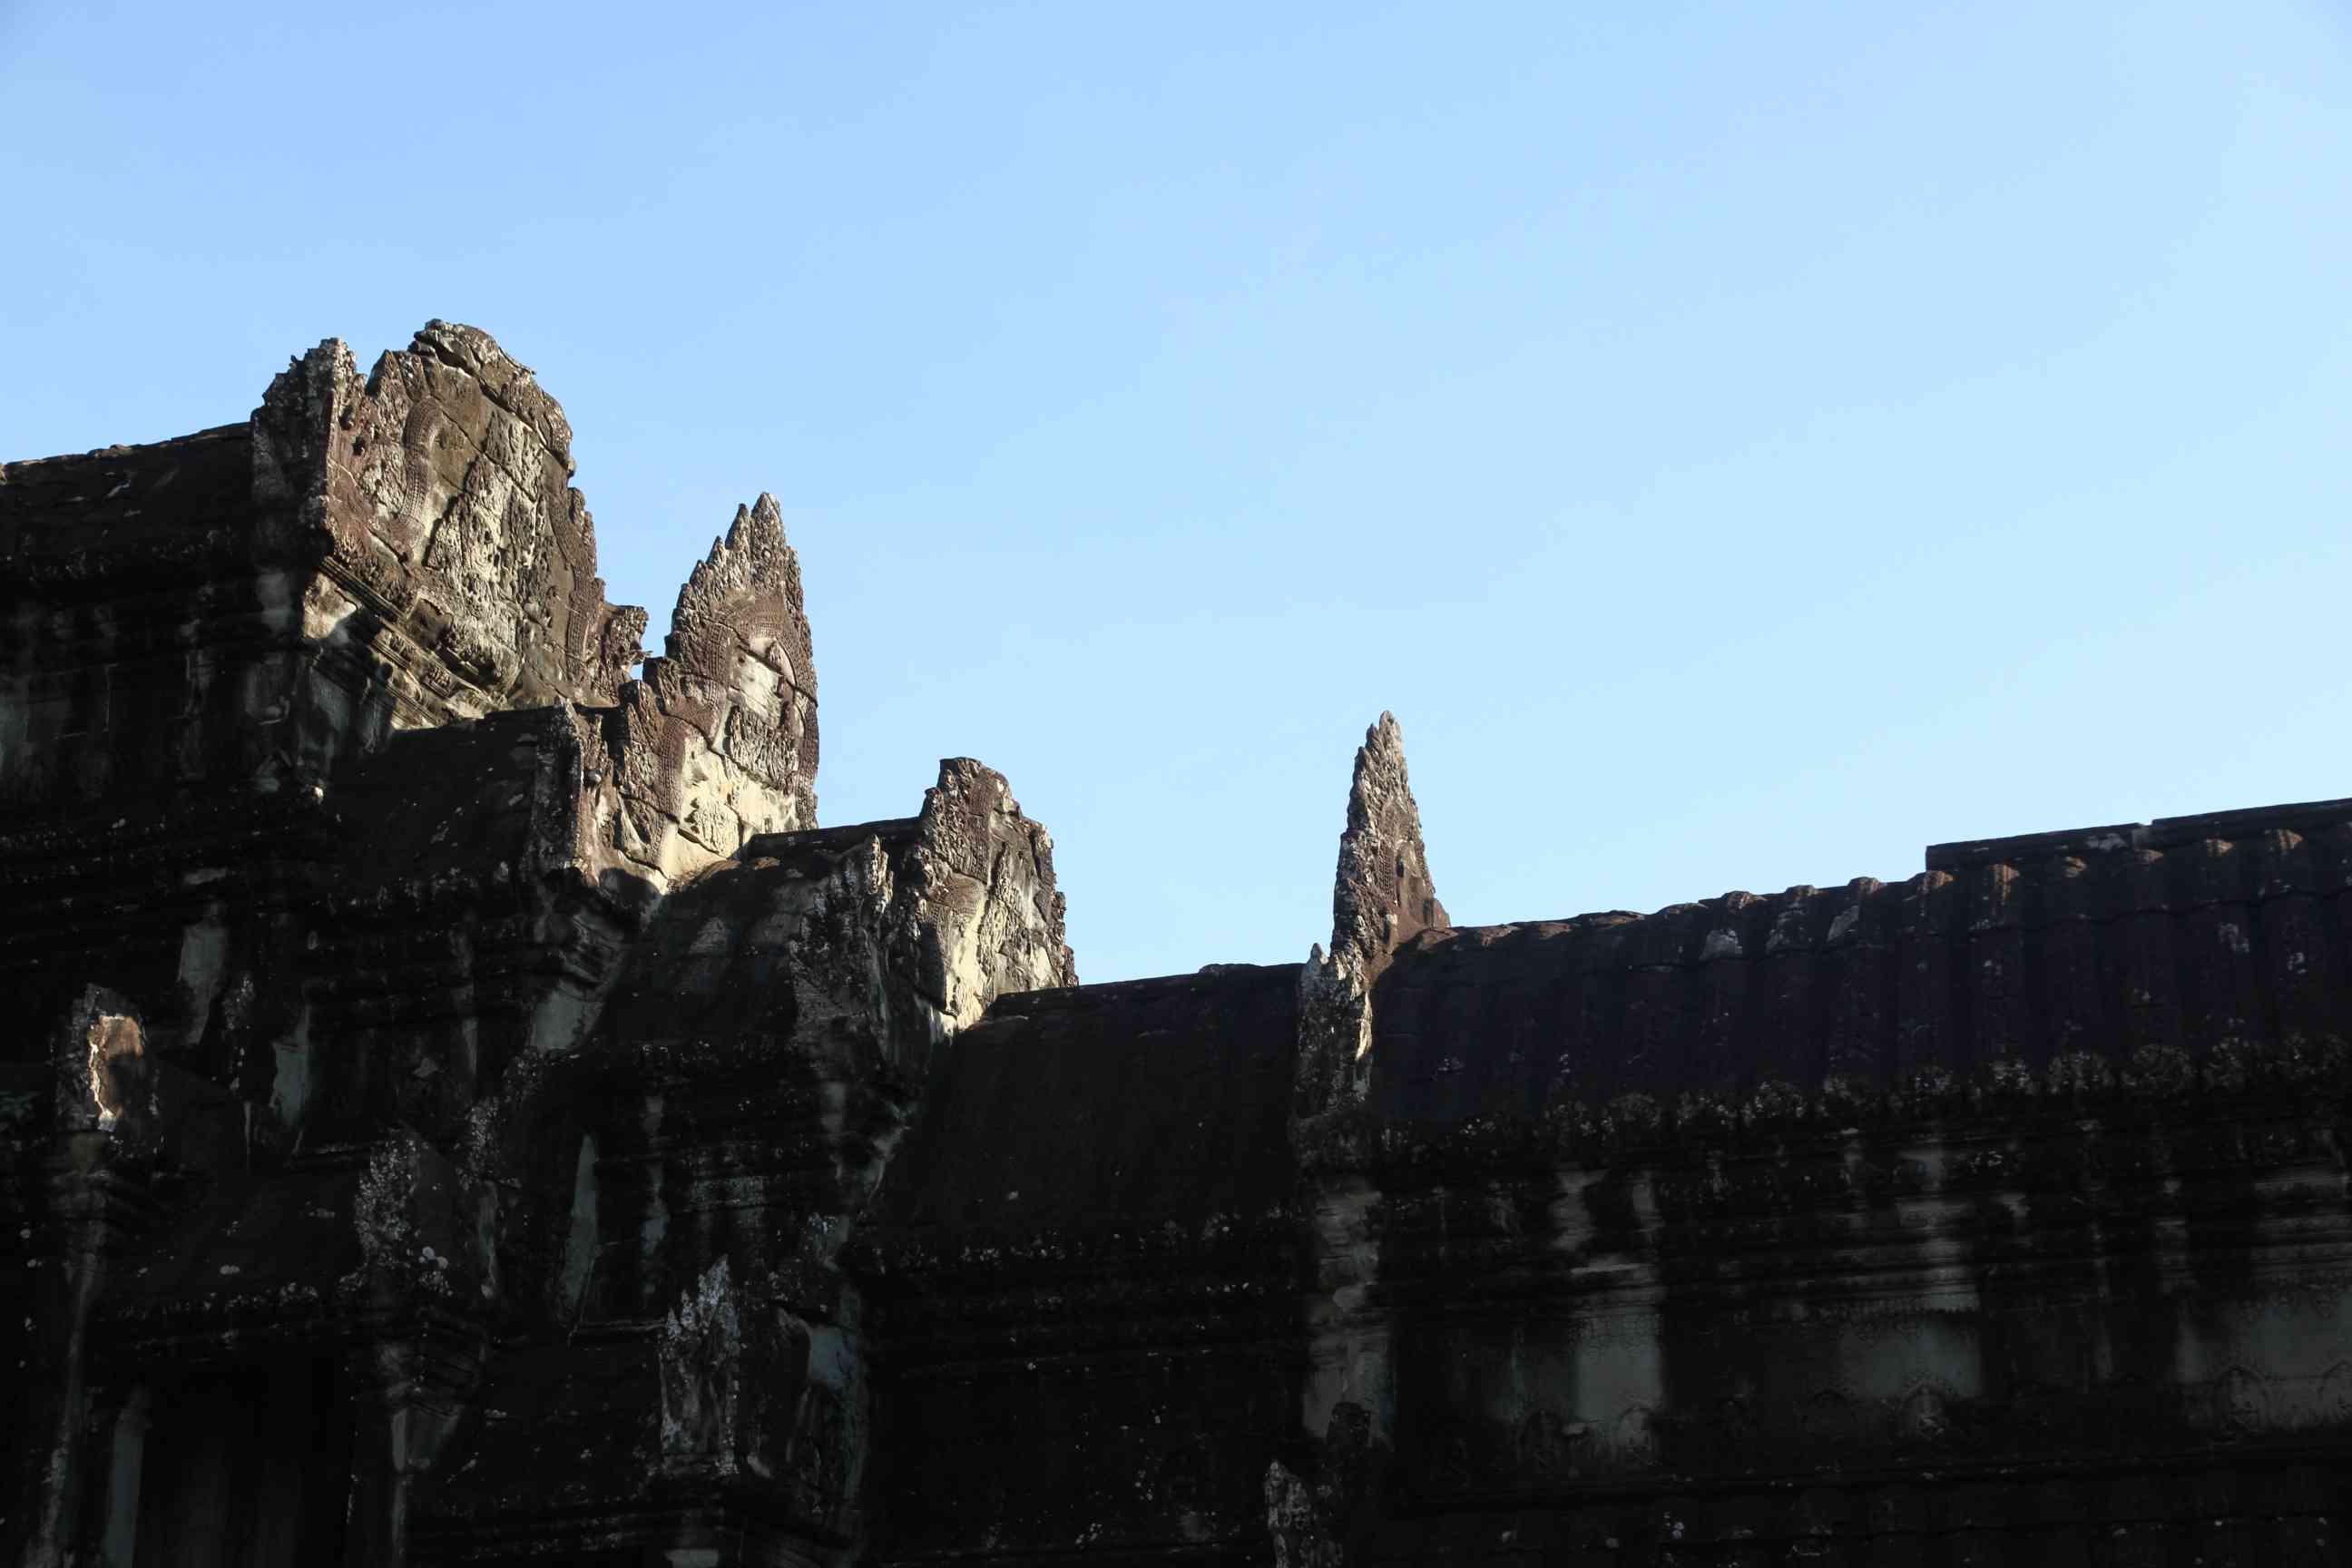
[1742,444]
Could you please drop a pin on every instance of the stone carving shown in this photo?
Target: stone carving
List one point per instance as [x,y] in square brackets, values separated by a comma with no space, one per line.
[1383,896]
[718,740]
[2241,1404]
[1635,1438]
[1548,1446]
[115,1046]
[1923,1420]
[975,914]
[2333,1404]
[452,550]
[701,1351]
[1829,1420]
[1298,1538]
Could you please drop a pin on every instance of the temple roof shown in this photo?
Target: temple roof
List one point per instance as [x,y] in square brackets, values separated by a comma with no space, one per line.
[1133,1106]
[2189,934]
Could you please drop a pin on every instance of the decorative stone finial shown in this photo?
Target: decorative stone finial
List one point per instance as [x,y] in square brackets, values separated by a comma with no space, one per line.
[1383,894]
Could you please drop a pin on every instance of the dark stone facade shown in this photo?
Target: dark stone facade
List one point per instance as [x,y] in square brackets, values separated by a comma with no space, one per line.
[461,1108]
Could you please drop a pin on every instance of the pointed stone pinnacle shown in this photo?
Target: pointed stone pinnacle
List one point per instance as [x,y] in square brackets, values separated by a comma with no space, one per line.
[1383,894]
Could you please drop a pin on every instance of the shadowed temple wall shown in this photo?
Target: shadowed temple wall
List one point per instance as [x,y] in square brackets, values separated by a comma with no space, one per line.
[460,1106]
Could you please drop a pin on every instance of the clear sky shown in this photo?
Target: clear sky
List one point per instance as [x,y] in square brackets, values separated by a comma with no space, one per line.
[1743,444]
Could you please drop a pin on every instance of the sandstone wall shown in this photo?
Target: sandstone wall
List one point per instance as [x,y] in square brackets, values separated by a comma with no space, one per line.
[457,1106]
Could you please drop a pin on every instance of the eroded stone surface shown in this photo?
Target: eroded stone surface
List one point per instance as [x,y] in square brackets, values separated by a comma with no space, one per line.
[441,487]
[1382,896]
[464,1109]
[718,740]
[976,914]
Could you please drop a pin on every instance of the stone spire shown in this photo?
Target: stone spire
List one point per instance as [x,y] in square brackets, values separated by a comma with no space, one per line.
[975,912]
[739,650]
[716,742]
[1382,896]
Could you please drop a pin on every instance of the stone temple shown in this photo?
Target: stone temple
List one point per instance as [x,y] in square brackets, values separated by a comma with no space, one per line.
[461,1106]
